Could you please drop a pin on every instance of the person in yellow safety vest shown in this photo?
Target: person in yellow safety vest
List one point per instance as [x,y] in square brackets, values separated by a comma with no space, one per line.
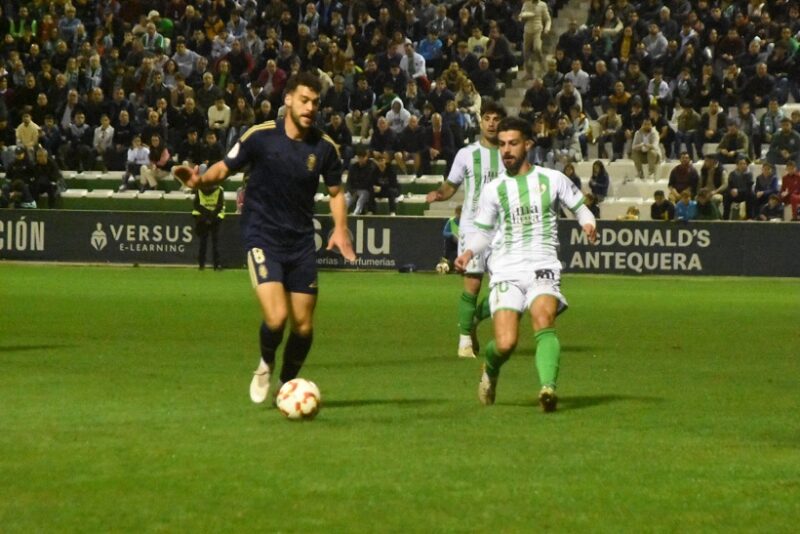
[450,235]
[209,210]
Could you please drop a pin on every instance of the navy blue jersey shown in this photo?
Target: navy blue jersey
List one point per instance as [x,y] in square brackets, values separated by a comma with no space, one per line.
[284,174]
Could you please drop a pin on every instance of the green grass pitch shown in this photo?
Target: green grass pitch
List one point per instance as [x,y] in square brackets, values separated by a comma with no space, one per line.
[124,408]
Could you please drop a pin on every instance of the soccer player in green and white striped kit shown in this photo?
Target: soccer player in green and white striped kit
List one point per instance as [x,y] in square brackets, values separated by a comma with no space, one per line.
[517,221]
[474,166]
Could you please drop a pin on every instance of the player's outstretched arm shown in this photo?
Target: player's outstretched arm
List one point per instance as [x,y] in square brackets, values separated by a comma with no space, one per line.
[587,222]
[340,238]
[445,191]
[191,178]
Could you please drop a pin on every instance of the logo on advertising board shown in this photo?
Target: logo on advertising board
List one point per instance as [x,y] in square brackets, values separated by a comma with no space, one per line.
[99,238]
[142,238]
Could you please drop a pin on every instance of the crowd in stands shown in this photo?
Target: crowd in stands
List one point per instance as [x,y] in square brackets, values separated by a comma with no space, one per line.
[140,85]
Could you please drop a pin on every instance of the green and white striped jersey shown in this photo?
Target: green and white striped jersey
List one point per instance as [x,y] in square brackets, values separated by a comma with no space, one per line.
[473,167]
[522,211]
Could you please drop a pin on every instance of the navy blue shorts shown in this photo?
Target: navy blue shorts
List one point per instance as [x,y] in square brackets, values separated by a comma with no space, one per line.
[297,271]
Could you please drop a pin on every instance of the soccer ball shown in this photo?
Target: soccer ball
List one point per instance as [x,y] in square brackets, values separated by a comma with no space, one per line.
[299,399]
[443,267]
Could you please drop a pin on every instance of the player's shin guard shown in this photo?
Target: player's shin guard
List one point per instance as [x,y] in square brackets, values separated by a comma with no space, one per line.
[294,355]
[494,360]
[548,354]
[466,311]
[270,340]
[483,311]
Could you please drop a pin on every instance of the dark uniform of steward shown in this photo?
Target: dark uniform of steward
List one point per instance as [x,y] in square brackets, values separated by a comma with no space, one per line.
[277,216]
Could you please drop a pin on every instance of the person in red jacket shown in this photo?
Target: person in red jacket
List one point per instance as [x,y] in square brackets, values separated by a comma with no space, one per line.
[790,188]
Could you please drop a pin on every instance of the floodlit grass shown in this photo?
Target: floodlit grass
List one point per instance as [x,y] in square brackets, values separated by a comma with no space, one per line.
[124,407]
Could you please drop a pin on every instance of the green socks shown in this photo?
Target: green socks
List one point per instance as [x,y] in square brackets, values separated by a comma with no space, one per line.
[494,360]
[548,353]
[466,311]
[483,311]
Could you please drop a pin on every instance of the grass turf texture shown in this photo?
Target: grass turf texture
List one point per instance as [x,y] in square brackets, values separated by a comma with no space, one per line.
[124,407]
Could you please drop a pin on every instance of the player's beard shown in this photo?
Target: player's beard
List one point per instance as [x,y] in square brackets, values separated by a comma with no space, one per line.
[297,119]
[513,165]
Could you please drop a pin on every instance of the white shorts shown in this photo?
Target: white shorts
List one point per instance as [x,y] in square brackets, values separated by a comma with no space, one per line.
[477,265]
[518,292]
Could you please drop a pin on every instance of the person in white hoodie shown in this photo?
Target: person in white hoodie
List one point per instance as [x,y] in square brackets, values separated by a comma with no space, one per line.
[536,17]
[397,116]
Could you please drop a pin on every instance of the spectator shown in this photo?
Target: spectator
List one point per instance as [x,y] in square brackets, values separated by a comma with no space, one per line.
[772,210]
[103,140]
[688,122]
[599,181]
[790,189]
[190,151]
[580,126]
[785,145]
[484,78]
[242,117]
[499,51]
[219,117]
[412,64]
[361,174]
[565,147]
[568,98]
[610,127]
[158,165]
[397,116]
[739,192]
[212,151]
[27,133]
[439,144]
[685,208]
[733,144]
[683,177]
[569,172]
[665,133]
[337,130]
[410,146]
[47,178]
[770,122]
[535,16]
[383,139]
[645,147]
[712,124]
[661,209]
[713,179]
[77,150]
[766,185]
[20,197]
[591,202]
[385,184]
[706,209]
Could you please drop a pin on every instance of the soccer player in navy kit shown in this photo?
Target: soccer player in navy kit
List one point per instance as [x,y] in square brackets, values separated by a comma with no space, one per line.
[286,160]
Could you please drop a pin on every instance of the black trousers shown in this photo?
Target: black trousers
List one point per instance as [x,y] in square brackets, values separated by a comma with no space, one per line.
[204,229]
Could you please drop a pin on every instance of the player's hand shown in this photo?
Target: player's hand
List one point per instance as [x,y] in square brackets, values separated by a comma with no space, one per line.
[591,233]
[340,240]
[462,261]
[433,196]
[187,176]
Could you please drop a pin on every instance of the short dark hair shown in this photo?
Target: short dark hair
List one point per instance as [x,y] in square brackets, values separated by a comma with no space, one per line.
[515,124]
[493,106]
[306,79]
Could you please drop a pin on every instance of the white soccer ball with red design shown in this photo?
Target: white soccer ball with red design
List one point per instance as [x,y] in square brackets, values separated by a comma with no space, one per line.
[299,399]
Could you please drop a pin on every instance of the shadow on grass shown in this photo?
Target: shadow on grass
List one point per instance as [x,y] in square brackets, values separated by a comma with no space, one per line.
[28,348]
[588,401]
[376,402]
[381,363]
